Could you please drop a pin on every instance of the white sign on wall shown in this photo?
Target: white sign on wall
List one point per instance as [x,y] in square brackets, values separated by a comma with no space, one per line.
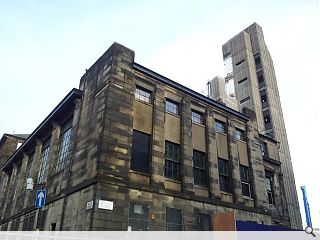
[104,204]
[89,205]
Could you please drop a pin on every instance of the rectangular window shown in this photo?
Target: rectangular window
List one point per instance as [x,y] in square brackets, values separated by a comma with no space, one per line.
[264,151]
[143,95]
[239,134]
[139,217]
[269,186]
[174,219]
[267,119]
[43,169]
[244,100]
[260,79]
[223,175]
[199,168]
[30,165]
[172,107]
[264,99]
[140,152]
[220,126]
[241,61]
[257,61]
[64,146]
[172,161]
[204,222]
[243,80]
[197,117]
[245,181]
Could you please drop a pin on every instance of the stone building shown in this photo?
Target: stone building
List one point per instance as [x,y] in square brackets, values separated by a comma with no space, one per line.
[132,149]
[250,71]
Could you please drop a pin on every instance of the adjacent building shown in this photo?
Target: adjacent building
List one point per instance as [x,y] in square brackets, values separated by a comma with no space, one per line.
[133,150]
[251,79]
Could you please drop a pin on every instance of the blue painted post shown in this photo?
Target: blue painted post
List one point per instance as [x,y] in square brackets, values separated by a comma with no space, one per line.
[306,206]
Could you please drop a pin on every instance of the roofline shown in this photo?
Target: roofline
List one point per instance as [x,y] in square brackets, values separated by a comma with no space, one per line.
[73,92]
[189,91]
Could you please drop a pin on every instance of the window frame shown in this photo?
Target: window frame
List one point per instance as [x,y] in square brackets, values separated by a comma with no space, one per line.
[270,192]
[199,168]
[197,117]
[64,146]
[199,215]
[169,106]
[136,152]
[169,224]
[142,94]
[43,168]
[135,219]
[173,160]
[225,175]
[241,135]
[245,179]
[219,126]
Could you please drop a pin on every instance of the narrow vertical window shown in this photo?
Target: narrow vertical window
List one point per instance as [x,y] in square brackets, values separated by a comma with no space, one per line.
[245,181]
[30,164]
[264,151]
[140,152]
[223,175]
[64,146]
[43,169]
[172,161]
[199,168]
[269,186]
[174,219]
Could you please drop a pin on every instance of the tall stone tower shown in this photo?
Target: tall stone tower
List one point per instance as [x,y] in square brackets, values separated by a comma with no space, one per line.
[249,66]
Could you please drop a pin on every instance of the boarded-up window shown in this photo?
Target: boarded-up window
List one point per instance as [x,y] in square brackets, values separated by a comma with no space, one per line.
[174,219]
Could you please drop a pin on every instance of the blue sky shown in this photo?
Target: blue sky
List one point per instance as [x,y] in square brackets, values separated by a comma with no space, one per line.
[45,47]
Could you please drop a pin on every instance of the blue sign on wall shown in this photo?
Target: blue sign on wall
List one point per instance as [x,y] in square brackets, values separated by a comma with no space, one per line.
[41,198]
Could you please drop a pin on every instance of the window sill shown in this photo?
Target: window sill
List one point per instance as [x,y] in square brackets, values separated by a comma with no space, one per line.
[247,198]
[140,173]
[222,133]
[172,180]
[173,114]
[200,187]
[141,101]
[226,193]
[198,124]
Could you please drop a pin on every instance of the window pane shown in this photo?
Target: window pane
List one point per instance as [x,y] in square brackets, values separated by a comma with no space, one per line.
[174,219]
[239,134]
[140,152]
[139,217]
[172,107]
[143,95]
[172,160]
[43,163]
[220,126]
[223,175]
[64,147]
[197,117]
